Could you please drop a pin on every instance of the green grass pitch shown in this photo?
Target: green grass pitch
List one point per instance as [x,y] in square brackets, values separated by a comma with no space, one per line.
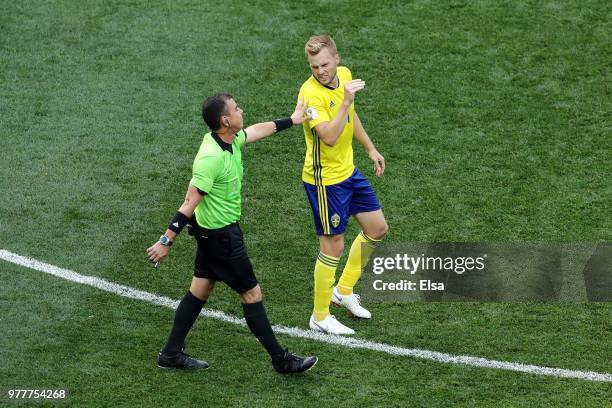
[493,117]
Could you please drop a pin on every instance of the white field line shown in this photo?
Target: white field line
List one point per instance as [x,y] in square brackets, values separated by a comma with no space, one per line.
[306,334]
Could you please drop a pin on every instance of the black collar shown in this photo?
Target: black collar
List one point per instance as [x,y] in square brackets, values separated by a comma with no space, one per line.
[223,145]
[328,87]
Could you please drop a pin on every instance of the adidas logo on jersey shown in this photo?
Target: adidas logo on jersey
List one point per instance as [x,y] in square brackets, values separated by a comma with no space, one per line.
[331,104]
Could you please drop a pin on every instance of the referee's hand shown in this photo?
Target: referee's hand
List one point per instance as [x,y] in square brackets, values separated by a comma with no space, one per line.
[158,252]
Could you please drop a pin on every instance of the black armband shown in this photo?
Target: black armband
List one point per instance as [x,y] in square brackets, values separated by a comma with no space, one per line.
[282,124]
[178,222]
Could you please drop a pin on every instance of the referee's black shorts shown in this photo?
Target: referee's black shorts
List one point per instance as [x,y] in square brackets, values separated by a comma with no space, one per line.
[222,256]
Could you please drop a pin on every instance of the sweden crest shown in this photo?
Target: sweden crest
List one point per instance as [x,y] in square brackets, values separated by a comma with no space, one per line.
[335,220]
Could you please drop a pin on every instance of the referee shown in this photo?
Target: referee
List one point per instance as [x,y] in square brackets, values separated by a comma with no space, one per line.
[212,209]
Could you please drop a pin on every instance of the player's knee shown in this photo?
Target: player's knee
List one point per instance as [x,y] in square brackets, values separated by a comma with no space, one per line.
[337,246]
[379,231]
[253,295]
[384,230]
[332,245]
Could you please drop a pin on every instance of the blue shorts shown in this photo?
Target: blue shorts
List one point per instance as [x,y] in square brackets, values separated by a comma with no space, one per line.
[332,205]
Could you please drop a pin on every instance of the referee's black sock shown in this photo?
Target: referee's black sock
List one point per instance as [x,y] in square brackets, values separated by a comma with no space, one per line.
[186,314]
[257,320]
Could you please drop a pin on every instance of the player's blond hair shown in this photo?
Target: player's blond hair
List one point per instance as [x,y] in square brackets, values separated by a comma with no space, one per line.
[317,42]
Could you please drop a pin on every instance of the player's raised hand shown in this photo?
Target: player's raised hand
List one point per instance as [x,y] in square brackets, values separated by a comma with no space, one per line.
[299,114]
[350,88]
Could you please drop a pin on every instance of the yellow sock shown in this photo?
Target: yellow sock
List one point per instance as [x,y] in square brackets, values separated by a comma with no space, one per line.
[324,278]
[358,258]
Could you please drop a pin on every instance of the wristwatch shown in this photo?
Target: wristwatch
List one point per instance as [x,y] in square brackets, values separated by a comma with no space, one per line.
[165,241]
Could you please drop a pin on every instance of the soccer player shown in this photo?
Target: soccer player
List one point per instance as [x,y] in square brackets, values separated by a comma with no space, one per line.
[336,189]
[212,209]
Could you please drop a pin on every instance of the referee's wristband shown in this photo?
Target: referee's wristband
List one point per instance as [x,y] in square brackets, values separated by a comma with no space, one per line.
[178,222]
[282,124]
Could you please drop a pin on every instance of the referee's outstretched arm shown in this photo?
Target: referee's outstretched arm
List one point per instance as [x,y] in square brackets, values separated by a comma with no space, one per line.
[262,130]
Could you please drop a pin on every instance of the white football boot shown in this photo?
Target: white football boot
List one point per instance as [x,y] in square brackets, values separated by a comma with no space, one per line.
[330,325]
[351,302]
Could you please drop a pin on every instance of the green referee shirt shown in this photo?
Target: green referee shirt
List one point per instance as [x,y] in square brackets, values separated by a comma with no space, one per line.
[217,170]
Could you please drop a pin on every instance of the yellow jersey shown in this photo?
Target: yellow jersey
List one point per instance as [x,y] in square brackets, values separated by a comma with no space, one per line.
[326,165]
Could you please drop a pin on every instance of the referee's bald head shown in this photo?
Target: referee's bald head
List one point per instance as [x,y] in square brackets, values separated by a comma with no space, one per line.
[213,108]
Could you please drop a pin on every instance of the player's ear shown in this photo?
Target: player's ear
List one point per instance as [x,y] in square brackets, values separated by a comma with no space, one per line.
[337,59]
